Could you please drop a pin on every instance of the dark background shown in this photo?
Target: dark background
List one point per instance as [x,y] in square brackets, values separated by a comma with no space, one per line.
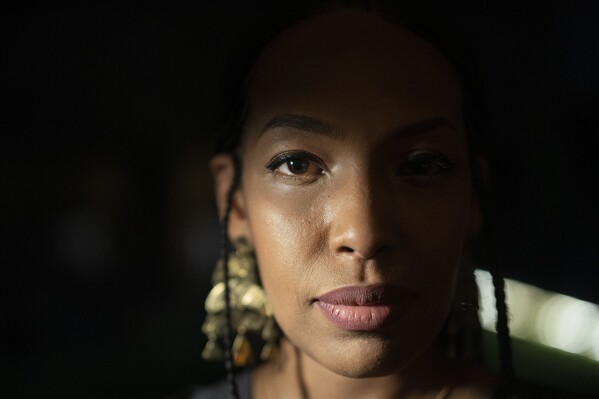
[108,225]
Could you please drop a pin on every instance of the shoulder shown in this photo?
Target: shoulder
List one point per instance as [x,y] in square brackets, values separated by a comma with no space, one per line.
[219,389]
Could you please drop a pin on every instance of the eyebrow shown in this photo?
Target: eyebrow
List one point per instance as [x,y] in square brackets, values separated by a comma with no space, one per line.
[301,122]
[323,128]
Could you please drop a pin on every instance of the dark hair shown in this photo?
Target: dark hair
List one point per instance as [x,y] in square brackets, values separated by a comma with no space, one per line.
[458,32]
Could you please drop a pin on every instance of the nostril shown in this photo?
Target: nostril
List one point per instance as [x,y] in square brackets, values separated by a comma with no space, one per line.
[368,253]
[346,249]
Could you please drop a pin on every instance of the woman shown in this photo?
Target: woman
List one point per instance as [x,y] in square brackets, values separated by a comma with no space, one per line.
[350,174]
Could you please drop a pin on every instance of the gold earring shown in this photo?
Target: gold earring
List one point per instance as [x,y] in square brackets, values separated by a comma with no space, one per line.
[252,319]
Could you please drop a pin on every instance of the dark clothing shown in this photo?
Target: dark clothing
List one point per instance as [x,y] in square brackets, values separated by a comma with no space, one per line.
[220,390]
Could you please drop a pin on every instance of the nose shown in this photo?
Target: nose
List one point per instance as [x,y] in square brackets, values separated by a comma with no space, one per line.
[361,220]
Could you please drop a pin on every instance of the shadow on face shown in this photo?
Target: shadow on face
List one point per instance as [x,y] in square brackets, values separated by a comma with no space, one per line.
[355,174]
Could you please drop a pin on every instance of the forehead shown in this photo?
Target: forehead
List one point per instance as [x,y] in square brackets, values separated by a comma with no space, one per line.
[352,68]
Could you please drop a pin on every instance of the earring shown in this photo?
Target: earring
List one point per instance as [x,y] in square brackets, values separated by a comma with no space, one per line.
[463,326]
[252,319]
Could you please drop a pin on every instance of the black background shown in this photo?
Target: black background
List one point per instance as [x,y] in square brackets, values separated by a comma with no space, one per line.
[109,230]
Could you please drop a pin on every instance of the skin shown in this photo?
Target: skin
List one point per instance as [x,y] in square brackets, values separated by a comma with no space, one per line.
[351,207]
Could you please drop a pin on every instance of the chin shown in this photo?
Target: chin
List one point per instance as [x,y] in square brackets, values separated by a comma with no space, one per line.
[366,358]
[368,371]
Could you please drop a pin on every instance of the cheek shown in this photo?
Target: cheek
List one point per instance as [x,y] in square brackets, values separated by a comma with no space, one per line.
[435,232]
[438,219]
[287,235]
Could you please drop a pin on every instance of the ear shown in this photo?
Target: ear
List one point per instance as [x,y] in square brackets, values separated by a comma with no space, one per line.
[223,173]
[480,186]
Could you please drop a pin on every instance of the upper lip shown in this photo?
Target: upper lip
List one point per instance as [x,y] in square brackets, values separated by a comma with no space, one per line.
[365,295]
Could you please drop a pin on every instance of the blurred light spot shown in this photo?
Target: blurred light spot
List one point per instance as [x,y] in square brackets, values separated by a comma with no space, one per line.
[552,319]
[520,298]
[566,323]
[595,343]
[486,304]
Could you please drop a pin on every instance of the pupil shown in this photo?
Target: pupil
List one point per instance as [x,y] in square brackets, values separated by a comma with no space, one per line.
[297,166]
[421,167]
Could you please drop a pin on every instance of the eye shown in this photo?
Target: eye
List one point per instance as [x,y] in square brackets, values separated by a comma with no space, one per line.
[424,167]
[296,164]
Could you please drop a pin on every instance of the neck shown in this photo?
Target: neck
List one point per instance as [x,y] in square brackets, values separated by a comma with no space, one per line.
[298,376]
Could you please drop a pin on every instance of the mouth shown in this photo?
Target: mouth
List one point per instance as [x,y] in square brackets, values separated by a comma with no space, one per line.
[363,308]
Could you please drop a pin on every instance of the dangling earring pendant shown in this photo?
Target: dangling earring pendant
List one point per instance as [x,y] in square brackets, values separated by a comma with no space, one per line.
[251,314]
[270,334]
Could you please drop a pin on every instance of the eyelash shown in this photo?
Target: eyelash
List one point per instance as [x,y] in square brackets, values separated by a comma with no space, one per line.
[301,156]
[430,159]
[435,160]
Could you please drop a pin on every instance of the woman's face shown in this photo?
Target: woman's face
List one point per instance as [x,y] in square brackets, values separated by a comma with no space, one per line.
[355,173]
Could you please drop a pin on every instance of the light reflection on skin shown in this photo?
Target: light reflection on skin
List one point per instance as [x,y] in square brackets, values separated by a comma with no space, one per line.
[348,208]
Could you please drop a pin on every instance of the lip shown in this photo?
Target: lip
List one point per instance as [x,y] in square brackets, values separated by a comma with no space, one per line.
[363,308]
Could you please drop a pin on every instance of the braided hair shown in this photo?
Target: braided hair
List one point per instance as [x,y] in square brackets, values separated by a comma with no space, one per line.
[429,22]
[224,255]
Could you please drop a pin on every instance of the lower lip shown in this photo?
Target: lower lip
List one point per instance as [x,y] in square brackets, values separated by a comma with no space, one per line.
[360,318]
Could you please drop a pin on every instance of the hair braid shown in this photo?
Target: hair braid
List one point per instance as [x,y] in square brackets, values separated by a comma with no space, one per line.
[503,334]
[233,391]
